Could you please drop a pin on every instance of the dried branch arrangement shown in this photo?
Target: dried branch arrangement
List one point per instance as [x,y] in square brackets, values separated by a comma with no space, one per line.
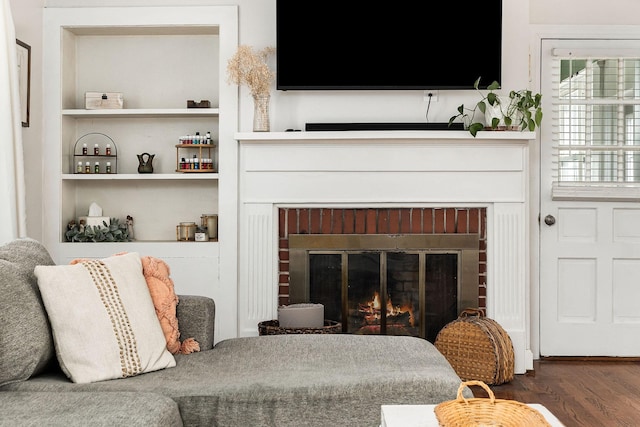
[249,67]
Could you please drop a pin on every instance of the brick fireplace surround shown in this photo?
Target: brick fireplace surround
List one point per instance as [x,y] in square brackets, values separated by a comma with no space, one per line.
[380,221]
[291,181]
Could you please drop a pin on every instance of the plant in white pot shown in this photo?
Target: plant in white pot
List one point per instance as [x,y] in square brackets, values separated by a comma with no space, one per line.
[521,110]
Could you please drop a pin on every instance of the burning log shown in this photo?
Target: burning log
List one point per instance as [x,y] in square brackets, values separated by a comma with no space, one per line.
[372,312]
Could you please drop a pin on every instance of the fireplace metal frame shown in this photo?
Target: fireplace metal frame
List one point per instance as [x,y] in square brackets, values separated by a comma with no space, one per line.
[465,245]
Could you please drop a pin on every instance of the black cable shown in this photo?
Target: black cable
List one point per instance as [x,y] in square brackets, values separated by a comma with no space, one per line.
[426,114]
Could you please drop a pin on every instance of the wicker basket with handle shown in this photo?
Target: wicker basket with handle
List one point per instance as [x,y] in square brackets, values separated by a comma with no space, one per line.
[490,411]
[477,348]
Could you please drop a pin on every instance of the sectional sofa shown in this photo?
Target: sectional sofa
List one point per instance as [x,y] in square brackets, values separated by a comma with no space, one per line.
[272,380]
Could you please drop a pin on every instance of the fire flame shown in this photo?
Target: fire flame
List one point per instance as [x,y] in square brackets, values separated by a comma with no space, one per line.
[372,310]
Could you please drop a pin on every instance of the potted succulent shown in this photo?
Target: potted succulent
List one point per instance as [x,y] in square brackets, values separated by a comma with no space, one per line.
[521,110]
[112,232]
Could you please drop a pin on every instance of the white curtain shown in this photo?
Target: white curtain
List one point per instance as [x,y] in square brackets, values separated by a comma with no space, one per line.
[12,186]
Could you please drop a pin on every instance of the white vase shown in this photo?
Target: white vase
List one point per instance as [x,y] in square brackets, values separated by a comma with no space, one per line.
[261,113]
[491,112]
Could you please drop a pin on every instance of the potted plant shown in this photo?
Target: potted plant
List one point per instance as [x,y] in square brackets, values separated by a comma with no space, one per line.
[112,232]
[521,110]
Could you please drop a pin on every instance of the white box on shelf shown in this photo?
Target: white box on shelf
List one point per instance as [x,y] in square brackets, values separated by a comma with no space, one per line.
[103,100]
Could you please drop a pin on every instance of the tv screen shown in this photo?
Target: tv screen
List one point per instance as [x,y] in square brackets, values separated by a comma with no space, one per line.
[401,45]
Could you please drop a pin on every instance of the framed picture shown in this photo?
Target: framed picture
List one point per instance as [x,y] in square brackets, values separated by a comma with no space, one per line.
[24,80]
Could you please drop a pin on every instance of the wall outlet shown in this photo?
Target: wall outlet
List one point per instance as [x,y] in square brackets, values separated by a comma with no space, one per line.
[433,94]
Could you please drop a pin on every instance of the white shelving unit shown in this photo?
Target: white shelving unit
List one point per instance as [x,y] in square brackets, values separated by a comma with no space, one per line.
[158,57]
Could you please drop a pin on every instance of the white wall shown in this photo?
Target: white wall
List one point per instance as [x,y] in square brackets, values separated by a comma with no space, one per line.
[522,18]
[584,12]
[294,109]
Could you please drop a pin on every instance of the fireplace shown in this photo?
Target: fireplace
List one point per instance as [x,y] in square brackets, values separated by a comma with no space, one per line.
[410,284]
[425,265]
[440,182]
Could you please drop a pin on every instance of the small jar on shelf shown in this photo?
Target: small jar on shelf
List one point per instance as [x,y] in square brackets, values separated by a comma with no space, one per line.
[185,231]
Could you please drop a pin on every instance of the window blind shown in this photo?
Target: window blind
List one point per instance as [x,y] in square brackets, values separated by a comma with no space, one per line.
[596,119]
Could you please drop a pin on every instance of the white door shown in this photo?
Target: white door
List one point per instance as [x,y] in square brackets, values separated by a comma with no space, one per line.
[590,188]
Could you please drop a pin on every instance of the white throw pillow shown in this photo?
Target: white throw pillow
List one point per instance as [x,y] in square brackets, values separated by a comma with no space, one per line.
[103,319]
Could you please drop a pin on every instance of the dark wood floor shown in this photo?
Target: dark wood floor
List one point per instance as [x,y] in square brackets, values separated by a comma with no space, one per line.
[579,392]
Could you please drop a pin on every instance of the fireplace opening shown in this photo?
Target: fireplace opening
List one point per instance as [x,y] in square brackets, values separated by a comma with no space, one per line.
[386,284]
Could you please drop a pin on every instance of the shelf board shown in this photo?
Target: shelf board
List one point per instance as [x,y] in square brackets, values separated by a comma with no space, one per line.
[165,249]
[139,177]
[144,30]
[143,112]
[133,242]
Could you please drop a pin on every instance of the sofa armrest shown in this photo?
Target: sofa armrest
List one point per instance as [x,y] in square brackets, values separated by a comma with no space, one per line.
[196,316]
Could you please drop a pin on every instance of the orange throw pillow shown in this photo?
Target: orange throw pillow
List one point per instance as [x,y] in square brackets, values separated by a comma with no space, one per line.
[165,300]
[157,275]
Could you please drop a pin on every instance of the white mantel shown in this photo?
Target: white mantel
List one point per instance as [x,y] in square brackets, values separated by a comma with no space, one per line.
[387,169]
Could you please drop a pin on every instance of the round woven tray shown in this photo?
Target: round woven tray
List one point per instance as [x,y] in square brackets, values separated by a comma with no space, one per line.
[464,412]
[272,327]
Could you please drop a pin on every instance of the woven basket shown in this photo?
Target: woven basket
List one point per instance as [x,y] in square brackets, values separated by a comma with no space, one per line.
[490,411]
[272,327]
[477,348]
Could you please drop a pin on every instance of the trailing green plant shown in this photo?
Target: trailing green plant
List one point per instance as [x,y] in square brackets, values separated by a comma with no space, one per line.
[113,232]
[522,110]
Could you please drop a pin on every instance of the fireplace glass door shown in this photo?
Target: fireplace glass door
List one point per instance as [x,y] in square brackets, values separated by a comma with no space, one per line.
[385,290]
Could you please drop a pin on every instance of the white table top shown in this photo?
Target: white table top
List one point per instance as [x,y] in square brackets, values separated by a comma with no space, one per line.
[424,416]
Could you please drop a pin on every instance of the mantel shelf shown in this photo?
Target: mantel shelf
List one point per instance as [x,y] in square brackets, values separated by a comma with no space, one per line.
[396,135]
[142,112]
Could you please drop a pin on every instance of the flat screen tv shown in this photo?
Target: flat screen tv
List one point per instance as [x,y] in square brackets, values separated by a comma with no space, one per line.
[396,45]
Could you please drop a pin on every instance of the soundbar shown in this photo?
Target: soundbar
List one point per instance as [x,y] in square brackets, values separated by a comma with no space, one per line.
[383,126]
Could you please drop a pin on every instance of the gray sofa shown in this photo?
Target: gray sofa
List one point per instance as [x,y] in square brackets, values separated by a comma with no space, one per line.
[271,380]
